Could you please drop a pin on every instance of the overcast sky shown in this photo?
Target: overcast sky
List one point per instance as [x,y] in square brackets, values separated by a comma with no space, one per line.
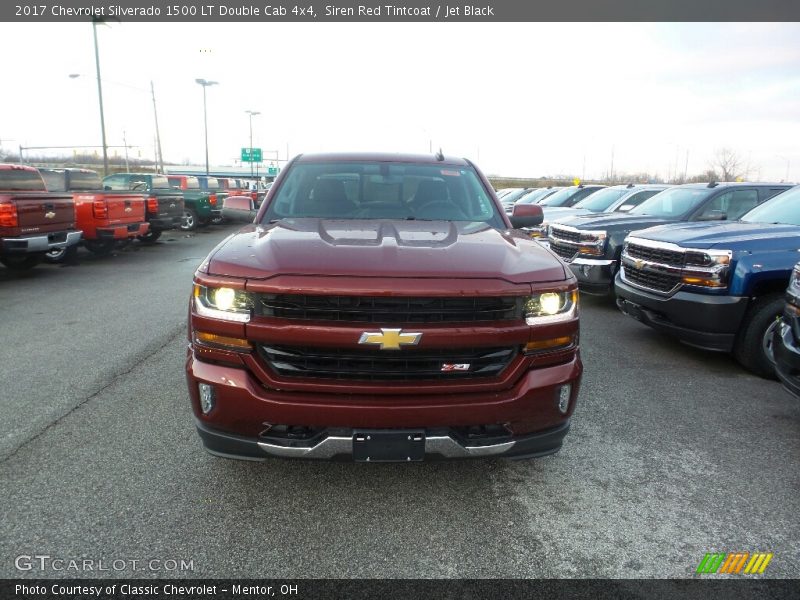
[521,99]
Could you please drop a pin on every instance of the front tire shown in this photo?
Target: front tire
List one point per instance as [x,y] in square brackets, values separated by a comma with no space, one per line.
[21,263]
[753,347]
[189,222]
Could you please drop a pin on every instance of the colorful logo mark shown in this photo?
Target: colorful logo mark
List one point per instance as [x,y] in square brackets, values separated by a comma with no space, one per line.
[734,562]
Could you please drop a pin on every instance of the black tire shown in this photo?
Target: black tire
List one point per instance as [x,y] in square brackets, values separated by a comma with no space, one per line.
[189,222]
[99,247]
[23,262]
[150,237]
[753,348]
[60,255]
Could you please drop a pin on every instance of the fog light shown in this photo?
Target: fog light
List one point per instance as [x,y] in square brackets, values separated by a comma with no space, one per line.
[207,398]
[564,392]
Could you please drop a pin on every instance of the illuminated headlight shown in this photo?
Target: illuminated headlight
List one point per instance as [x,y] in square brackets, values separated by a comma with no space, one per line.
[592,242]
[706,268]
[551,307]
[223,303]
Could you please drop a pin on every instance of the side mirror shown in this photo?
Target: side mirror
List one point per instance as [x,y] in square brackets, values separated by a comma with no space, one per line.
[526,215]
[239,209]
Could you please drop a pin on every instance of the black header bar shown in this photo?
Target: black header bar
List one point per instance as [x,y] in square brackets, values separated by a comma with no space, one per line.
[414,11]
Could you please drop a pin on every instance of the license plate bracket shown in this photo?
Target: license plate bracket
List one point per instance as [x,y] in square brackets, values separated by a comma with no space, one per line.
[633,310]
[396,445]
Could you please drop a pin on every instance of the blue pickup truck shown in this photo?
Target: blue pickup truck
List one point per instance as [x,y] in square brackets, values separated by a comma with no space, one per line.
[718,286]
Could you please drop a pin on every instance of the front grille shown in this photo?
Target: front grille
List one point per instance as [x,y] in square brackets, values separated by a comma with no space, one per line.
[376,365]
[656,255]
[566,234]
[660,282]
[565,251]
[385,310]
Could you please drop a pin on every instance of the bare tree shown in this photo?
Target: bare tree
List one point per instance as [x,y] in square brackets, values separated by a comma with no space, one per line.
[729,165]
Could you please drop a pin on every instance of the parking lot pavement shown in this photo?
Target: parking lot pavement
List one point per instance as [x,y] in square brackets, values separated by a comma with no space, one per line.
[673,453]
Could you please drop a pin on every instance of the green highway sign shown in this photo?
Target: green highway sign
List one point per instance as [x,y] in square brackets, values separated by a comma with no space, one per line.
[272,171]
[251,154]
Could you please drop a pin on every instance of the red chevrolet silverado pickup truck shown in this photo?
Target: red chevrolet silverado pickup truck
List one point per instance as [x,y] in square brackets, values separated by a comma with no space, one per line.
[106,218]
[33,221]
[382,308]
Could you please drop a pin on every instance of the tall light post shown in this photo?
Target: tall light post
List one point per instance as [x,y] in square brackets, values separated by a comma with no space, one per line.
[159,156]
[252,114]
[95,21]
[205,83]
[787,165]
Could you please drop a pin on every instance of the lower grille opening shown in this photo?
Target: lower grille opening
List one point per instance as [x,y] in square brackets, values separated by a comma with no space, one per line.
[375,365]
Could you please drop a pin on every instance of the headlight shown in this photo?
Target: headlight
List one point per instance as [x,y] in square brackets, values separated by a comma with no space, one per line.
[551,307]
[223,303]
[592,242]
[706,268]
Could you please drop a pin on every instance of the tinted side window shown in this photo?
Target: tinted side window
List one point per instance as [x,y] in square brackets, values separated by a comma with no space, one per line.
[731,205]
[580,196]
[115,183]
[636,200]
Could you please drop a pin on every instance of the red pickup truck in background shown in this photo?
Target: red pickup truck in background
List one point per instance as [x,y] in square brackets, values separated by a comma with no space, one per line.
[106,218]
[33,221]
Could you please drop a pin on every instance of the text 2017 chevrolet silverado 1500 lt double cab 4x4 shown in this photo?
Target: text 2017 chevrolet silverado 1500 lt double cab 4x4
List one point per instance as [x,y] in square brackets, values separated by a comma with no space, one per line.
[33,221]
[164,205]
[381,308]
[106,218]
[592,244]
[717,286]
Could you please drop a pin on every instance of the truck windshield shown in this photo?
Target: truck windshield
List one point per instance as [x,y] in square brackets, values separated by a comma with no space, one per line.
[560,198]
[599,201]
[383,190]
[21,180]
[534,196]
[672,204]
[783,208]
[160,182]
[84,181]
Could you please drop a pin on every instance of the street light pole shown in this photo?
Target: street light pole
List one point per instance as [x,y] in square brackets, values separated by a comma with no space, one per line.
[252,113]
[159,156]
[100,96]
[205,84]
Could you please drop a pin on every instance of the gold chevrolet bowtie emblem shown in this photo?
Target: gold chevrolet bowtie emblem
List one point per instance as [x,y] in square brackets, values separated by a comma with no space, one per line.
[390,339]
[49,215]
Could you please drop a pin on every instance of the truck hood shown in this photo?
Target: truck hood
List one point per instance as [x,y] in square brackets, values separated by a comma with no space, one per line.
[732,236]
[614,221]
[383,248]
[553,214]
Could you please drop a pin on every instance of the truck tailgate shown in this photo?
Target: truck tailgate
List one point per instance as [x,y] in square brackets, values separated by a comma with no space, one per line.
[123,207]
[44,212]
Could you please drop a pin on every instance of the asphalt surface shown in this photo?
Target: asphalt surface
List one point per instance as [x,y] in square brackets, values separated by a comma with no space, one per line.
[674,452]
